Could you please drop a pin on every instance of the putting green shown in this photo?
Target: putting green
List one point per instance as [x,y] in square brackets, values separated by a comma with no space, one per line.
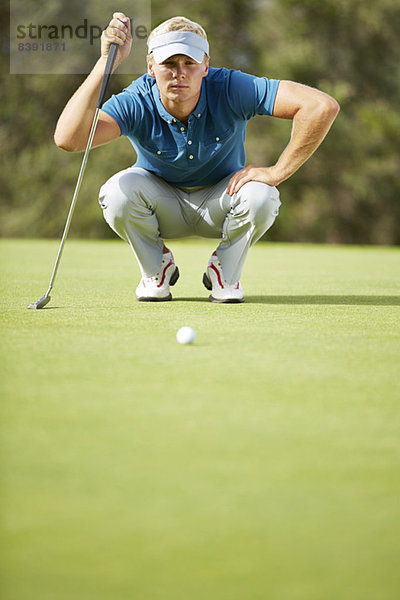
[261,462]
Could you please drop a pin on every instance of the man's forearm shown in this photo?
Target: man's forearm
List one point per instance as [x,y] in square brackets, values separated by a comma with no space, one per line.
[75,121]
[308,131]
[73,126]
[312,113]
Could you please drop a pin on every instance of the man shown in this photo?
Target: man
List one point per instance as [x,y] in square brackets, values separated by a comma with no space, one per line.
[187,123]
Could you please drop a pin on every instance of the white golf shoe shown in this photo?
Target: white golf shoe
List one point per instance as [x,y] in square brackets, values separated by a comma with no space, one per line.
[156,288]
[221,291]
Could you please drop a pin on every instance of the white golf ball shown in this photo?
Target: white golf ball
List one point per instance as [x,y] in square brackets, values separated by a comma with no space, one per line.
[185,335]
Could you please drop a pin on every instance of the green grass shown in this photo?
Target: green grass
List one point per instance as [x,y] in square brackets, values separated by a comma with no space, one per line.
[262,462]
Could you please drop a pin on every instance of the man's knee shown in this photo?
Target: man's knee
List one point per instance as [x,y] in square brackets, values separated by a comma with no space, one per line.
[260,201]
[119,195]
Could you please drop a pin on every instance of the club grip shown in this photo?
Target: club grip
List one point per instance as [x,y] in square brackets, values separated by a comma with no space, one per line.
[112,53]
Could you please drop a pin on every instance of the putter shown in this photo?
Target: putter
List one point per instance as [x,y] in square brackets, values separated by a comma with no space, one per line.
[107,72]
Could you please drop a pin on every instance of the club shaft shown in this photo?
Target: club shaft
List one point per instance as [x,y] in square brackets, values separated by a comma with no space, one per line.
[106,76]
[75,197]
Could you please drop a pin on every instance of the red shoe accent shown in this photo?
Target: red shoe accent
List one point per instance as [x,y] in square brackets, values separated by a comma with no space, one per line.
[164,273]
[214,268]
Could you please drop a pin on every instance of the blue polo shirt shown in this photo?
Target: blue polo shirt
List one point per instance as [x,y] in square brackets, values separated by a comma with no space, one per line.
[212,145]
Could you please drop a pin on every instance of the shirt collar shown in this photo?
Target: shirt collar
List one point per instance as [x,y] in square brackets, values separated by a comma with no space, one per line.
[197,112]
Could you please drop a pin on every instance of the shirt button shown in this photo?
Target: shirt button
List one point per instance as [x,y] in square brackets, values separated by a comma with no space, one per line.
[182,129]
[158,151]
[191,157]
[169,122]
[174,120]
[190,142]
[217,139]
[199,115]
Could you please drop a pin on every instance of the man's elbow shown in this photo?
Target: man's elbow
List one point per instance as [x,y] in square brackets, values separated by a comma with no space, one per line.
[329,107]
[64,142]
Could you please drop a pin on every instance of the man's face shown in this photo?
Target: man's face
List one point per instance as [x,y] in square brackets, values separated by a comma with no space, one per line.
[178,78]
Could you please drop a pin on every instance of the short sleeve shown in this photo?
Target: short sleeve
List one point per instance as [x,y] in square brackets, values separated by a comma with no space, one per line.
[249,95]
[125,109]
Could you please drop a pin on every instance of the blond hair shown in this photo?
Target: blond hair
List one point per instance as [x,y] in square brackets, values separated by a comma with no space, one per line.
[178,24]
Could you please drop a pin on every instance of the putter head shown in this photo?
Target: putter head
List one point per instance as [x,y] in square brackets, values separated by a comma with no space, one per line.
[40,303]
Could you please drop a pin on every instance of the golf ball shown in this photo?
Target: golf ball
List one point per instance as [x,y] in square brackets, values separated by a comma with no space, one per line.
[185,335]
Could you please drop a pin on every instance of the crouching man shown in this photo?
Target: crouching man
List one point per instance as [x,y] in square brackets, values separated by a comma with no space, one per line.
[187,123]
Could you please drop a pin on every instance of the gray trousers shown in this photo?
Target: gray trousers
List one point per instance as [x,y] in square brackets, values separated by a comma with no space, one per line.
[143,210]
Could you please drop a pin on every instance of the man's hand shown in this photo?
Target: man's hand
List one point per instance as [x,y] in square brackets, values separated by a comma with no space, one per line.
[252,173]
[117,32]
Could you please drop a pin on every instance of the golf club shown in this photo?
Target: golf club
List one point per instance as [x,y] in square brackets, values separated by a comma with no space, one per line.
[107,72]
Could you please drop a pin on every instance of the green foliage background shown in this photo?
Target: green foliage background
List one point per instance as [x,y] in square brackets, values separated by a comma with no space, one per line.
[348,192]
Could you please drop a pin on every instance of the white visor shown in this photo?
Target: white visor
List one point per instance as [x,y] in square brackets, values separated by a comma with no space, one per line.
[178,42]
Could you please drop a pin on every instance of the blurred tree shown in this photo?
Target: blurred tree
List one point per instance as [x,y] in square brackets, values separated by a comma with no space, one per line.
[347,192]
